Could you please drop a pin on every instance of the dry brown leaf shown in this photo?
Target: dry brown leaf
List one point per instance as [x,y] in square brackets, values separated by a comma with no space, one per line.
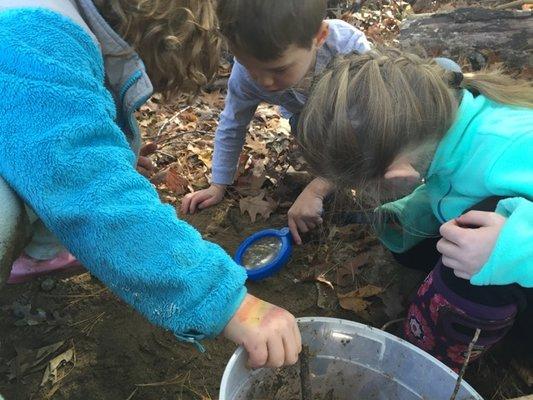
[354,300]
[175,182]
[256,205]
[322,279]
[189,116]
[346,273]
[316,278]
[28,360]
[213,99]
[326,298]
[355,304]
[257,146]
[251,183]
[205,155]
[51,372]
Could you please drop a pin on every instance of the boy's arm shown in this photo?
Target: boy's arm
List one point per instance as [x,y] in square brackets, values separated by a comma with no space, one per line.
[346,38]
[230,135]
[511,260]
[62,152]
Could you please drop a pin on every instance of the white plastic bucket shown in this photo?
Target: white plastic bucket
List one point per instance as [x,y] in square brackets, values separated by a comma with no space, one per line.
[349,361]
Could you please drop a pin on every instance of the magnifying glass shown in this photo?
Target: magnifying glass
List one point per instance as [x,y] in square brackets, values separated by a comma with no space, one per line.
[265,252]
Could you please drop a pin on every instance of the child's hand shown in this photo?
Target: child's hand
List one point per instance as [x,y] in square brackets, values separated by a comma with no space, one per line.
[306,212]
[466,249]
[269,334]
[203,198]
[145,166]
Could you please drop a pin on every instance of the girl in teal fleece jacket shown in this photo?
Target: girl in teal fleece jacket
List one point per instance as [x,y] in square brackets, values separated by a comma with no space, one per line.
[387,122]
[69,86]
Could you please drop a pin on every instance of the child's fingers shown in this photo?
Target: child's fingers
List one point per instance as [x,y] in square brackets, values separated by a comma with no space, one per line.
[185,203]
[211,201]
[148,148]
[461,274]
[297,338]
[302,226]
[447,248]
[475,218]
[452,232]
[257,353]
[197,199]
[290,349]
[146,163]
[276,351]
[452,263]
[294,231]
[311,225]
[144,172]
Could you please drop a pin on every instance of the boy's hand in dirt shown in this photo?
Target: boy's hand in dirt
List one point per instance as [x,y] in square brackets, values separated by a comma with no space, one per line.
[306,212]
[203,198]
[269,333]
[145,166]
[467,241]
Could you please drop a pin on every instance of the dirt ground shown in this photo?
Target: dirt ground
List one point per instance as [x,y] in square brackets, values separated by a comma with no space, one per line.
[119,355]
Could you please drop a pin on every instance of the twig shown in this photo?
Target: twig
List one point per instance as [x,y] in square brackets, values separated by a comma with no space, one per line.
[388,324]
[465,364]
[91,322]
[171,119]
[305,376]
[513,4]
[167,140]
[132,393]
[76,296]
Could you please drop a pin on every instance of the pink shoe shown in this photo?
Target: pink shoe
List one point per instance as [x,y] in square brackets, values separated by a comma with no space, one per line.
[26,268]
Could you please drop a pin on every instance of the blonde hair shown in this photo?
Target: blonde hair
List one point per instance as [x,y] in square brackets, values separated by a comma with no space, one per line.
[176,39]
[368,109]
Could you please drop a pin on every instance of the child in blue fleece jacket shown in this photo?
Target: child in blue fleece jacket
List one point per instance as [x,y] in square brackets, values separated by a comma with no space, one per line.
[68,145]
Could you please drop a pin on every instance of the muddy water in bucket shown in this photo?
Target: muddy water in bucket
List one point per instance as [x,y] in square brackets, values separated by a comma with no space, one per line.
[348,361]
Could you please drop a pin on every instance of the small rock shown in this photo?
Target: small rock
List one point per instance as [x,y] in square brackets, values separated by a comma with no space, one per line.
[48,284]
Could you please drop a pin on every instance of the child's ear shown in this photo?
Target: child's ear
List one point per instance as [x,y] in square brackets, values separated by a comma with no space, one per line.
[322,34]
[400,171]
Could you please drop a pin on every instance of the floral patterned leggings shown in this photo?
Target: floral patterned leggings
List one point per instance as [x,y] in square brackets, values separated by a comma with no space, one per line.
[447,310]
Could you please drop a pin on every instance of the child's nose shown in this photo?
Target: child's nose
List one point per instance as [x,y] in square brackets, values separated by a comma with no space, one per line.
[266,81]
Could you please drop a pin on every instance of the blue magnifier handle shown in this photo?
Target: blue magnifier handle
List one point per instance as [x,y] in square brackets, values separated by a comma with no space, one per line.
[265,252]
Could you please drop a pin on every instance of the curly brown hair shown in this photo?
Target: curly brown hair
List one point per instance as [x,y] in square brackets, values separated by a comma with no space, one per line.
[176,39]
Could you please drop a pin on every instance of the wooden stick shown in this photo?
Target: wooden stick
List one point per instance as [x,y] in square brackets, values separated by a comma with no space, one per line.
[388,324]
[513,4]
[305,375]
[465,364]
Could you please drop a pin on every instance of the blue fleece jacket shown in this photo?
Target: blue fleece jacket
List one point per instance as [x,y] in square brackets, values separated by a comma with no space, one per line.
[63,153]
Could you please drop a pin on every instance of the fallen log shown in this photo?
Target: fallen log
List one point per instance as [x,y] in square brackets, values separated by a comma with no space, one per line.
[479,34]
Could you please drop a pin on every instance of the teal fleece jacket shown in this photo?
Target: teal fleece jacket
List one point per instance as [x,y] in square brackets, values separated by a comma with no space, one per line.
[487,152]
[63,153]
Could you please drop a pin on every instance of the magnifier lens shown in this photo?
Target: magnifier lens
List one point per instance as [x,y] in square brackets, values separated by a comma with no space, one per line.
[261,252]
